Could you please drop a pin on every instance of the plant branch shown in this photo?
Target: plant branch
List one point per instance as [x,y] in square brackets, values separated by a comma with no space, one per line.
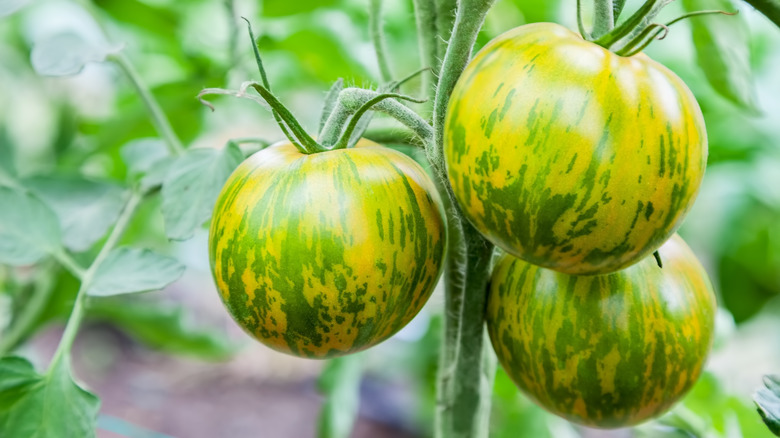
[77,314]
[445,21]
[378,38]
[427,35]
[468,22]
[770,8]
[604,17]
[352,99]
[463,397]
[67,262]
[159,119]
[375,101]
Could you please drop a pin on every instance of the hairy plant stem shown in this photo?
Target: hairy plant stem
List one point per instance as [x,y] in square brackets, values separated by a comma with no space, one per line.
[378,38]
[770,8]
[445,21]
[425,12]
[352,99]
[463,392]
[158,117]
[77,314]
[603,18]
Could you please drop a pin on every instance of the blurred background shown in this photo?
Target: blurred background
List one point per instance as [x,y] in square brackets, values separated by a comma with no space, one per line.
[173,364]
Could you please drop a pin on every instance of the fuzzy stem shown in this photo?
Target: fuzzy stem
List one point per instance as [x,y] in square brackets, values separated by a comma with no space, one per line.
[633,22]
[77,314]
[352,99]
[378,38]
[427,34]
[375,101]
[604,17]
[159,119]
[445,22]
[468,22]
[463,395]
[770,8]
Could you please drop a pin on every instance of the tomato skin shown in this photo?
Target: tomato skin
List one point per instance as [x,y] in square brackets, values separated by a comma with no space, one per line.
[569,156]
[608,350]
[326,254]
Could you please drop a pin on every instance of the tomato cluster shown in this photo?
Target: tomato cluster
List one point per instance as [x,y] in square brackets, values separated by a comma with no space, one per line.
[577,162]
[580,163]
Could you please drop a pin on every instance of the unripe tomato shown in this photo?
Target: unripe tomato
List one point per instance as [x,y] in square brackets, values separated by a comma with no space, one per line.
[330,253]
[604,350]
[569,156]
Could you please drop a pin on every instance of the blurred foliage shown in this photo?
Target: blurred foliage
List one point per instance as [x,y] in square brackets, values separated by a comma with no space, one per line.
[90,134]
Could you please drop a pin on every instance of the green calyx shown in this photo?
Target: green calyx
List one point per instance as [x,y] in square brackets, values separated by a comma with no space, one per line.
[342,122]
[636,32]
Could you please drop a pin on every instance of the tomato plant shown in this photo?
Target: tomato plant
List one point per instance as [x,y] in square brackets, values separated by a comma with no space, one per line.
[570,156]
[330,253]
[605,350]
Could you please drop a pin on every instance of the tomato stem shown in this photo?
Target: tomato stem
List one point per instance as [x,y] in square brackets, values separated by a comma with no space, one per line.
[330,103]
[635,24]
[427,33]
[77,314]
[604,20]
[644,39]
[378,38]
[464,386]
[347,133]
[351,100]
[309,144]
[158,117]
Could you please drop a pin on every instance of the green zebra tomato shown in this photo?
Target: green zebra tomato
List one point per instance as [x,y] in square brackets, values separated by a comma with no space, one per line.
[569,156]
[605,350]
[330,253]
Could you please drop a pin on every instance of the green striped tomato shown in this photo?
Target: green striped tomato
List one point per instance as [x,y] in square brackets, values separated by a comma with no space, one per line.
[569,156]
[605,350]
[326,254]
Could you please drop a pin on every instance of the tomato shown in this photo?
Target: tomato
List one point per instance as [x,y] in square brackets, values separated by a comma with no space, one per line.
[569,156]
[330,253]
[606,350]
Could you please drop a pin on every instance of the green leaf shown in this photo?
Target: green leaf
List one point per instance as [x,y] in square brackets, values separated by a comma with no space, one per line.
[768,401]
[192,187]
[340,384]
[161,327]
[28,228]
[723,51]
[86,208]
[8,7]
[142,154]
[44,406]
[65,54]
[128,270]
[282,8]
